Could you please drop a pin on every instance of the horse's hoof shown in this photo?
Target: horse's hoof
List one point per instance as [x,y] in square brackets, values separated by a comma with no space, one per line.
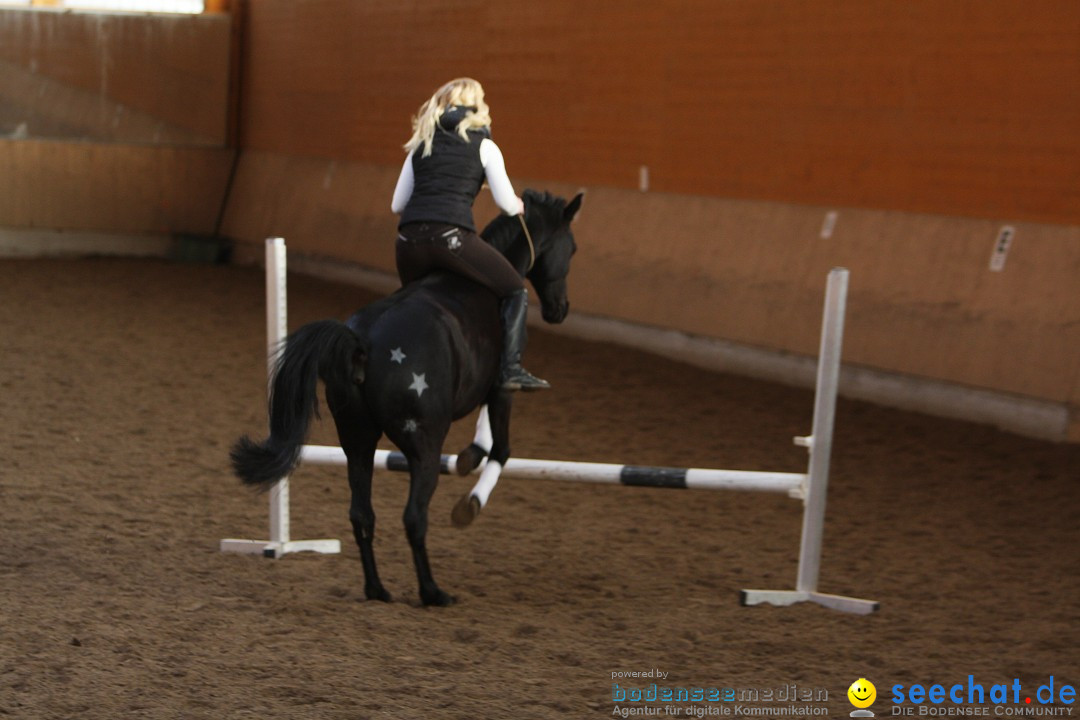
[469,459]
[439,598]
[379,594]
[466,510]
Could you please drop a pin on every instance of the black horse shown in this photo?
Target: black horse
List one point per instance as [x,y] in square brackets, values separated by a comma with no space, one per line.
[407,366]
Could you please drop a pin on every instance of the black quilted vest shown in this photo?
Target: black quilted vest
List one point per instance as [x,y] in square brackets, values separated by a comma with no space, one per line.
[446,182]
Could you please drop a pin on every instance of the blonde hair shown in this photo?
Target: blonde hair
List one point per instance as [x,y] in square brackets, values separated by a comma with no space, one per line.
[462,91]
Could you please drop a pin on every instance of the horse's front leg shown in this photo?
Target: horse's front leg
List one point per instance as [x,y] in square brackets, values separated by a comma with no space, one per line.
[470,458]
[424,477]
[498,430]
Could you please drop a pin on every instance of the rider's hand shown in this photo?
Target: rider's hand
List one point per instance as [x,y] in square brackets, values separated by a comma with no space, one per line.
[521,207]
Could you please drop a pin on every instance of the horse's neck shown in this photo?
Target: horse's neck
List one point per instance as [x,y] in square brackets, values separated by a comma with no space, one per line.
[507,236]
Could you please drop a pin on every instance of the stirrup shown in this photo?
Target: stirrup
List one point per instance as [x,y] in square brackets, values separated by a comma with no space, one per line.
[518,378]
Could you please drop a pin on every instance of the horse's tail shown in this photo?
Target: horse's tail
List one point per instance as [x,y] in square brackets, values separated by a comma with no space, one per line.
[327,349]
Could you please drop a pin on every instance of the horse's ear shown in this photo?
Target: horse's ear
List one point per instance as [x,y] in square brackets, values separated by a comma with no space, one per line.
[573,207]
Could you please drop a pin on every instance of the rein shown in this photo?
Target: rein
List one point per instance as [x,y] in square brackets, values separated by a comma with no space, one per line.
[532,248]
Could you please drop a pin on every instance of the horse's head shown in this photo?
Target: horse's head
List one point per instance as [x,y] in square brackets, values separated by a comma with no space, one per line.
[548,219]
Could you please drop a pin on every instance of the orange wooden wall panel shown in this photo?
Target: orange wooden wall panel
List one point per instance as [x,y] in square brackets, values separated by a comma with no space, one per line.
[967,107]
[923,301]
[155,87]
[61,185]
[175,68]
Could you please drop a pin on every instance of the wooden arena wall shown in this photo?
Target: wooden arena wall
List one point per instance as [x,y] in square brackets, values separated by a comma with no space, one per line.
[134,78]
[967,107]
[113,123]
[927,126]
[714,139]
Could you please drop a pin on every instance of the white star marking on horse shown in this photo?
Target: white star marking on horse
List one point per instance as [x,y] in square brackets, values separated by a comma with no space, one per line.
[397,356]
[410,425]
[418,384]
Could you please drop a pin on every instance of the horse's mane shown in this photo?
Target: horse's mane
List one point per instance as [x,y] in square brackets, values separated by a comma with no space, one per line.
[502,231]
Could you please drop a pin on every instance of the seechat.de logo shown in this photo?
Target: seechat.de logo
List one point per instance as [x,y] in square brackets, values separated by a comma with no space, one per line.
[973,698]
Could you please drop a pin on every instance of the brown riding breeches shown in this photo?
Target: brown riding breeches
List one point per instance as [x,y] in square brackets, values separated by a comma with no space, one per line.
[424,247]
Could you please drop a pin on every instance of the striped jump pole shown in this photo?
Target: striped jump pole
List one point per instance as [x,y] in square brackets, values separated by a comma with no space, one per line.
[276,329]
[591,472]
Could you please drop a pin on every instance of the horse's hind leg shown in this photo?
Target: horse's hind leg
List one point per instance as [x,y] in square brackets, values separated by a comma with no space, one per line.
[358,438]
[424,477]
[362,517]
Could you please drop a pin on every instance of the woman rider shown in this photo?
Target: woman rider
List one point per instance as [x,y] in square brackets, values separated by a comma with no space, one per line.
[450,155]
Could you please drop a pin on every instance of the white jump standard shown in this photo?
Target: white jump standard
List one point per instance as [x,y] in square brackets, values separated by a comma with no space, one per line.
[276,329]
[810,487]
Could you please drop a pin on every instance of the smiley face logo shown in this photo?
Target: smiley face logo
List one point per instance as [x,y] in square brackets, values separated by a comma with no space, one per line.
[862,693]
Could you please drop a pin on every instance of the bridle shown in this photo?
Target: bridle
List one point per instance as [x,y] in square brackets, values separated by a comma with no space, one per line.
[532,248]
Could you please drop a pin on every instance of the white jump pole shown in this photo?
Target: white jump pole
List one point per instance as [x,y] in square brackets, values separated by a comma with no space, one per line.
[276,329]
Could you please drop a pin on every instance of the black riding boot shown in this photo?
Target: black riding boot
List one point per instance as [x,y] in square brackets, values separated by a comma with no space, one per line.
[512,376]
